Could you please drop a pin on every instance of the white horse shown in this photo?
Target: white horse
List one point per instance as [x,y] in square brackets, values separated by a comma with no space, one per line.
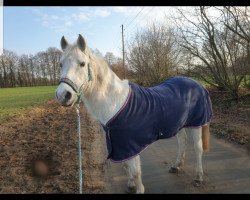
[104,95]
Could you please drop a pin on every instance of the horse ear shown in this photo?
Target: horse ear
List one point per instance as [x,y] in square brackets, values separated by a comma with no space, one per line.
[64,43]
[81,43]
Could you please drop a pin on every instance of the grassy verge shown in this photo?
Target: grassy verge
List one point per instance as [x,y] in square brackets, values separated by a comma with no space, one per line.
[234,133]
[231,119]
[14,101]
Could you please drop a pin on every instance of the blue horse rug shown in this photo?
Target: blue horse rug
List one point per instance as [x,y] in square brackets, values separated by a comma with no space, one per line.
[154,113]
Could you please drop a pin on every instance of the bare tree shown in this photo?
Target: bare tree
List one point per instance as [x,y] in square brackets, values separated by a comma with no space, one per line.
[42,63]
[8,61]
[110,58]
[3,71]
[54,55]
[97,52]
[217,55]
[29,70]
[153,55]
[115,63]
[237,20]
[32,70]
[48,63]
[23,71]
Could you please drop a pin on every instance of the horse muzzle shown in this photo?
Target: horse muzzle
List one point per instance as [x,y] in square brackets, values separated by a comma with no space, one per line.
[65,95]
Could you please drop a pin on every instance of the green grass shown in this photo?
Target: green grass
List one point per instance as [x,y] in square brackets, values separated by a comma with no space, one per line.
[242,84]
[205,84]
[14,101]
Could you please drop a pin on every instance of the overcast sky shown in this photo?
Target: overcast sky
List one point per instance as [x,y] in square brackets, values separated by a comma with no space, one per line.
[31,29]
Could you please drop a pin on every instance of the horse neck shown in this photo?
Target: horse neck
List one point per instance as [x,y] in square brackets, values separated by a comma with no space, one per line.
[106,93]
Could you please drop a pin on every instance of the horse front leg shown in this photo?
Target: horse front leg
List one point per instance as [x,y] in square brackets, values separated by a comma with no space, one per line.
[133,170]
[182,144]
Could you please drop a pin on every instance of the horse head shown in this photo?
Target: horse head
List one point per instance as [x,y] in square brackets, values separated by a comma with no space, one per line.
[75,71]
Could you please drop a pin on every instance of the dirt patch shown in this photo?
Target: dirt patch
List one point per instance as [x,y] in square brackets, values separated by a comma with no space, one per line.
[48,133]
[231,119]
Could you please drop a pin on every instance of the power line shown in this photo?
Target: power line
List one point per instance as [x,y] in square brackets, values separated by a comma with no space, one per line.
[115,40]
[126,19]
[128,15]
[131,29]
[116,45]
[135,26]
[135,17]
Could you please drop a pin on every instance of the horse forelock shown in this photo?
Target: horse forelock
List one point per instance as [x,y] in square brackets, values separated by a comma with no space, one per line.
[70,51]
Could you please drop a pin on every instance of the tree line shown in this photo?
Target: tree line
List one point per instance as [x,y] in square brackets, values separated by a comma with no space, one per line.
[42,68]
[29,70]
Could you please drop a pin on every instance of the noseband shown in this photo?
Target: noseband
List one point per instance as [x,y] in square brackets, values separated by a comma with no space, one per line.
[72,84]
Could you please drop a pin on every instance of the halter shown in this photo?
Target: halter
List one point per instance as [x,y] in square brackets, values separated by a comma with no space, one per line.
[79,94]
[74,86]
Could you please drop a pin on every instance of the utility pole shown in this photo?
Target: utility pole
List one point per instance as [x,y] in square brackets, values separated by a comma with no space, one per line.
[123,59]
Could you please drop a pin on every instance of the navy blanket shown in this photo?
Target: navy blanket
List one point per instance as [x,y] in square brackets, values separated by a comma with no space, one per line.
[154,113]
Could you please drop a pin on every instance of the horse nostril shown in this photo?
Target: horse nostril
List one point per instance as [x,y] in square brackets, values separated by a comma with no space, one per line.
[68,96]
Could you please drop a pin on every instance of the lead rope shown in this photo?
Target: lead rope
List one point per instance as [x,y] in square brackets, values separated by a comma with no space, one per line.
[79,95]
[79,147]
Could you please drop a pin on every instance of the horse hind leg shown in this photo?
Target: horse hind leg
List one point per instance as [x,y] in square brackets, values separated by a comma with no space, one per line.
[197,137]
[182,144]
[133,169]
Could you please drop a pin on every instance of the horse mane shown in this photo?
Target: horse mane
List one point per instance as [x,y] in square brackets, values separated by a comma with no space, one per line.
[105,86]
[99,66]
[104,79]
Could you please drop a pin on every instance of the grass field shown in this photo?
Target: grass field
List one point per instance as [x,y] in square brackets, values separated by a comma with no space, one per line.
[14,101]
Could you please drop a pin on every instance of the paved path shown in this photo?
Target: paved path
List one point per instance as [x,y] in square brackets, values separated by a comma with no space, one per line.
[226,169]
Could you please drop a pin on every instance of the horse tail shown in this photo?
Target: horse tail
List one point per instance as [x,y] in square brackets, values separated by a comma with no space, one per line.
[205,138]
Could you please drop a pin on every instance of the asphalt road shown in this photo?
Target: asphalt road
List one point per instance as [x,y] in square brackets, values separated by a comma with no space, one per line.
[226,169]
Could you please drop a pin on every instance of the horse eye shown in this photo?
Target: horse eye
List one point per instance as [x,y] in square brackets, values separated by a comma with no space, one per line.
[60,65]
[82,64]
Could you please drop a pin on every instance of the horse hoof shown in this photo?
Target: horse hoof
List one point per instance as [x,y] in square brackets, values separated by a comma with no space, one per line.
[131,190]
[173,170]
[197,183]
